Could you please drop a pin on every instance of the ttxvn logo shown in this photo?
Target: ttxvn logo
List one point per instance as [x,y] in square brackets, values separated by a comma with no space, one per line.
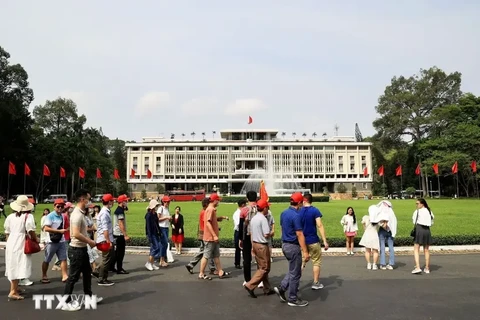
[77,300]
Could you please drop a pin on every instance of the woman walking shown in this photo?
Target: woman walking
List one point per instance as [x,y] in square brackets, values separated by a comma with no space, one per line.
[423,220]
[18,265]
[178,234]
[164,219]
[152,231]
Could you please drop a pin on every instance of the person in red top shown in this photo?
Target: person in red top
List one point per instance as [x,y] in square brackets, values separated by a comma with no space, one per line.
[201,226]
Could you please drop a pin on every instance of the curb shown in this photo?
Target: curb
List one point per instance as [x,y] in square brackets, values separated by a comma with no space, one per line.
[277,252]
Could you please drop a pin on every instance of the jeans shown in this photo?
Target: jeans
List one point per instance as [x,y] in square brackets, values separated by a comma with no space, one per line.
[107,260]
[247,259]
[79,264]
[291,282]
[163,242]
[196,259]
[57,262]
[386,235]
[236,238]
[155,246]
[120,245]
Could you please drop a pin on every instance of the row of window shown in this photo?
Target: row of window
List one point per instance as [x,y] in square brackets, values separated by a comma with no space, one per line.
[250,148]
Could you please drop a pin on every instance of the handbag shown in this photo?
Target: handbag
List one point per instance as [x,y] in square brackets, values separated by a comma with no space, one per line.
[413,232]
[31,246]
[56,237]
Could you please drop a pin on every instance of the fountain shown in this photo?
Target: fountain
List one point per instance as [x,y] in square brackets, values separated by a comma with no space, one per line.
[276,184]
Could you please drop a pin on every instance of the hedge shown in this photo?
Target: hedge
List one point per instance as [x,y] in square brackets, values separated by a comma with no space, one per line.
[333,242]
[273,199]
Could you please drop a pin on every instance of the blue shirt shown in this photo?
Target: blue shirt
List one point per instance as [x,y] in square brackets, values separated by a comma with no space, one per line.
[291,222]
[309,217]
[104,223]
[54,221]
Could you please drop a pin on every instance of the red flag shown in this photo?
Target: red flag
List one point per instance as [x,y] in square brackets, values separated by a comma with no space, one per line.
[46,171]
[435,168]
[11,168]
[365,172]
[63,174]
[263,192]
[27,169]
[132,173]
[455,168]
[474,166]
[381,171]
[418,170]
[398,171]
[99,174]
[149,174]
[250,120]
[81,173]
[116,175]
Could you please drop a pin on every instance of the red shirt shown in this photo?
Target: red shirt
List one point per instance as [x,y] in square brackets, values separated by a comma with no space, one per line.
[244,212]
[201,222]
[66,226]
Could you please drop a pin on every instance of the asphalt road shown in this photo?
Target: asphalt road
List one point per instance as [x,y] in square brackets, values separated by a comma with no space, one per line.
[450,291]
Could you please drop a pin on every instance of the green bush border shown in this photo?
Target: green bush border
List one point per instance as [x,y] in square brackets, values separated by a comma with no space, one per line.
[273,199]
[333,242]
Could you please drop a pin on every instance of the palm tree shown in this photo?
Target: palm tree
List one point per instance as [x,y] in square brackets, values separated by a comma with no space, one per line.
[214,133]
[294,134]
[203,135]
[193,135]
[284,134]
[172,136]
[304,135]
[324,135]
[183,135]
[314,135]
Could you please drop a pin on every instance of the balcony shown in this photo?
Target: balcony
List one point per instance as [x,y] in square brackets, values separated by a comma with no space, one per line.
[249,171]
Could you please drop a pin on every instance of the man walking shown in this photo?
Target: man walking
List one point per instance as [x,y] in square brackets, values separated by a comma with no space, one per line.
[236,231]
[105,234]
[312,220]
[77,251]
[260,232]
[293,244]
[55,226]
[245,243]
[201,225]
[120,232]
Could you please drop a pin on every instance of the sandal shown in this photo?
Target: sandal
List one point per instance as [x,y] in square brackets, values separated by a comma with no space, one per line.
[204,277]
[14,297]
[214,272]
[224,275]
[65,280]
[45,281]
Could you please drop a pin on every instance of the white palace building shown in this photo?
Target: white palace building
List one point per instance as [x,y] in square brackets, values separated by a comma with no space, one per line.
[225,164]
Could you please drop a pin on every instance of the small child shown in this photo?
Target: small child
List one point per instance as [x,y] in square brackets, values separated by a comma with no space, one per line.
[44,235]
[370,241]
[350,228]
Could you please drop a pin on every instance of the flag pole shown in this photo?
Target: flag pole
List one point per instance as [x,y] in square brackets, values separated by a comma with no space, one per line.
[96,184]
[8,185]
[458,190]
[24,181]
[439,193]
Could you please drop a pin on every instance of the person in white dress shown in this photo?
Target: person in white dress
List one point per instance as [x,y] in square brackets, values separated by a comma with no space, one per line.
[350,228]
[18,265]
[370,238]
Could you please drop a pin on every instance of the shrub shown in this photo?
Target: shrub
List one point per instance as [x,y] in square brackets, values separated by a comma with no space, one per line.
[341,188]
[354,192]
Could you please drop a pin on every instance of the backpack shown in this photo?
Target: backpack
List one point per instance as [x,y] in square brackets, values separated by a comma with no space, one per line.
[252,211]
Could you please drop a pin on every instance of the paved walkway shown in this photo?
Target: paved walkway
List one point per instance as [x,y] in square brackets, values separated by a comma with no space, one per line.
[451,291]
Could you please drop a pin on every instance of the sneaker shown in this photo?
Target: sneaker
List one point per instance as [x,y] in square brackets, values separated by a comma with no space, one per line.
[427,271]
[25,282]
[317,286]
[260,285]
[389,267]
[374,267]
[72,306]
[149,266]
[155,267]
[383,267]
[417,271]
[369,266]
[298,303]
[281,294]
[105,283]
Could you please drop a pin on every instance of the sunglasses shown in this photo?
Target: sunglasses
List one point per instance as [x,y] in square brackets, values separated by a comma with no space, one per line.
[60,207]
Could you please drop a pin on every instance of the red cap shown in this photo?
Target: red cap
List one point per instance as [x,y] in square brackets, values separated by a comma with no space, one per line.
[262,204]
[297,197]
[59,201]
[215,197]
[107,197]
[122,198]
[103,246]
[166,199]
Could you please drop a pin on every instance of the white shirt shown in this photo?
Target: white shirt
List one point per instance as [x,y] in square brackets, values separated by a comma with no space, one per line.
[424,218]
[236,219]
[163,212]
[349,226]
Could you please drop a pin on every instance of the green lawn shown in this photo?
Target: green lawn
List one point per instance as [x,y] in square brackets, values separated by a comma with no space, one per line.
[452,217]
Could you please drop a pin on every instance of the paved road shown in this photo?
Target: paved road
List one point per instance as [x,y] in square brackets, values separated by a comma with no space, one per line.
[451,291]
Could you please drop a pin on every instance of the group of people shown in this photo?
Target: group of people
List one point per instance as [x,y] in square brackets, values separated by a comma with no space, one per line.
[70,233]
[380,226]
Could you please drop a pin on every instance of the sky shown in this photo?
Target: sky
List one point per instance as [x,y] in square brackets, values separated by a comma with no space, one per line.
[152,68]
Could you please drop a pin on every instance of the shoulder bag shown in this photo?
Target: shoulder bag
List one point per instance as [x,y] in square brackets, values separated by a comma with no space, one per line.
[31,246]
[56,237]
[413,232]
